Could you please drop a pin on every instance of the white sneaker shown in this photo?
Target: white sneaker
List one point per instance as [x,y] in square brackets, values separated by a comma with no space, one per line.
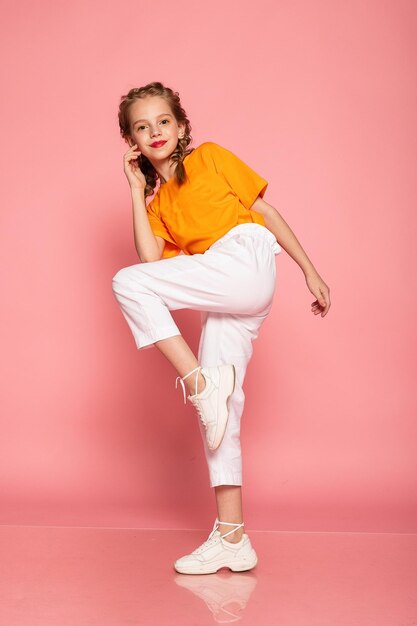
[216,552]
[211,403]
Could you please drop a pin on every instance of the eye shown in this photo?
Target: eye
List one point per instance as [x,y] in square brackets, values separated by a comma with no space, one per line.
[139,127]
[165,120]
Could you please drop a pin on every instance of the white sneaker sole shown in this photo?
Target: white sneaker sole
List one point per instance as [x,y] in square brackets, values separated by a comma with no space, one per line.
[241,565]
[227,382]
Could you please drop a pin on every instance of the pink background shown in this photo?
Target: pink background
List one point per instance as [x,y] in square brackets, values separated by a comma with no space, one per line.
[320,99]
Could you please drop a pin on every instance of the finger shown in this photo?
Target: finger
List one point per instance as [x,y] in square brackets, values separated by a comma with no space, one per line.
[132,151]
[326,310]
[129,157]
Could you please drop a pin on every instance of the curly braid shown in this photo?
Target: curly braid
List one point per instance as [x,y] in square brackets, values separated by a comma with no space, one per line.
[172,97]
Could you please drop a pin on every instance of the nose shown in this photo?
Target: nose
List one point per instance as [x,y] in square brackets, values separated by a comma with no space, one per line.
[155,131]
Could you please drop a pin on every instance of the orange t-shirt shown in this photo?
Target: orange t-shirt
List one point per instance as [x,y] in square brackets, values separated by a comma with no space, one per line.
[218,195]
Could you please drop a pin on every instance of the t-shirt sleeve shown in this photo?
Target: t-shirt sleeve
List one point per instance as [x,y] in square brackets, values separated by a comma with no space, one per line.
[242,179]
[158,228]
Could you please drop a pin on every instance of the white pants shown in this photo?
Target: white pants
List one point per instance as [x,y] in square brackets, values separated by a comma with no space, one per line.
[232,284]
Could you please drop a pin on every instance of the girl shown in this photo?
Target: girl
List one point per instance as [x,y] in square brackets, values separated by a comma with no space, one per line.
[206,241]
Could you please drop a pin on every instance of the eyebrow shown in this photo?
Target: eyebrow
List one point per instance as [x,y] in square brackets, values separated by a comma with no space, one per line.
[162,114]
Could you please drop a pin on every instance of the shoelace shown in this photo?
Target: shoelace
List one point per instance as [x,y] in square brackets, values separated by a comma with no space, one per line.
[209,541]
[183,378]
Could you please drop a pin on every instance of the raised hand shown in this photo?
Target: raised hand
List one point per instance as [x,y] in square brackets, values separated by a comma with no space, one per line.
[132,170]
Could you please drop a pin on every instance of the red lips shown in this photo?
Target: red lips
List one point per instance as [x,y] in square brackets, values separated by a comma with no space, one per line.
[157,144]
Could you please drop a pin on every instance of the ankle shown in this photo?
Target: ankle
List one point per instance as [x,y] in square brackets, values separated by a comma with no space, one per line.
[233,537]
[201,384]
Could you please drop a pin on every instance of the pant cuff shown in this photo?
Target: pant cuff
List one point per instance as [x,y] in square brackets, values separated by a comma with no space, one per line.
[146,340]
[225,478]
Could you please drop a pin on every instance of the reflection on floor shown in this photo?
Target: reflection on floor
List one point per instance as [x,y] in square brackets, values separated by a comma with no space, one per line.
[64,576]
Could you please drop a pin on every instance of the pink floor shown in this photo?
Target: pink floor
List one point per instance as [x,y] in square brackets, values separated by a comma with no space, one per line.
[65,576]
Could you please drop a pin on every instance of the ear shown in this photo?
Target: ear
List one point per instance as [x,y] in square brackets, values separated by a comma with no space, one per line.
[181,131]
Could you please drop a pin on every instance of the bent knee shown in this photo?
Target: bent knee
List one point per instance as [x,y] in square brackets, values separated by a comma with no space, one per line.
[121,278]
[128,277]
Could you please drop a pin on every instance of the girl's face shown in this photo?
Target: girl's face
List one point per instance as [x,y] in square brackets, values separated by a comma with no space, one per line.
[152,122]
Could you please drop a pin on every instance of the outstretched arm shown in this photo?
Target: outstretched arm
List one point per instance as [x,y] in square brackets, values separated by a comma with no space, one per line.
[287,240]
